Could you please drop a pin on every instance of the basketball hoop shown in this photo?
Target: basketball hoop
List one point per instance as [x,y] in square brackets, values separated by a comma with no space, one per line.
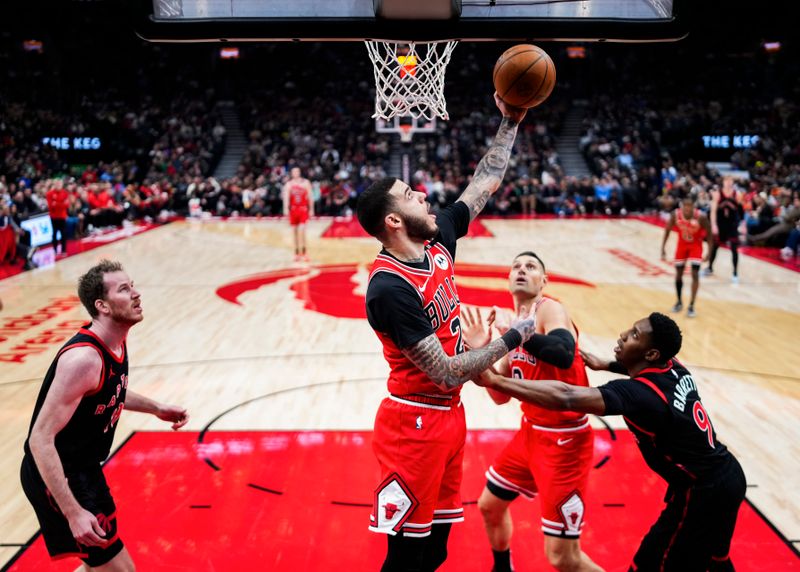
[409,78]
[406,134]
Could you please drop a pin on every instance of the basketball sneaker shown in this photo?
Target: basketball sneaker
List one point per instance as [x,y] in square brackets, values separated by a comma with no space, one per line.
[677,307]
[735,279]
[690,312]
[707,272]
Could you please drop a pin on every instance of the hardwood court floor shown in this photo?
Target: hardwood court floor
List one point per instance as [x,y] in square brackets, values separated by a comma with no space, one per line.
[230,318]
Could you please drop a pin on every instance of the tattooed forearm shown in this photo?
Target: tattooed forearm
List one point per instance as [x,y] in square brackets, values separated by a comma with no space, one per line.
[449,372]
[491,169]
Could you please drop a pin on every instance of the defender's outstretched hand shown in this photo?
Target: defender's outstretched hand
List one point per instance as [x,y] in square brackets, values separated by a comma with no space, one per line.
[525,323]
[178,415]
[594,362]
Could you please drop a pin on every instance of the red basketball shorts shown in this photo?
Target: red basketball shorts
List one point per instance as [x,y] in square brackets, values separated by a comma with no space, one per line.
[689,252]
[420,450]
[554,464]
[298,215]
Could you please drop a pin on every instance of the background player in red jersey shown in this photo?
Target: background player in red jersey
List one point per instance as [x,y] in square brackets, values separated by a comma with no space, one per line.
[551,454]
[412,304]
[693,227]
[57,206]
[74,419]
[661,406]
[298,205]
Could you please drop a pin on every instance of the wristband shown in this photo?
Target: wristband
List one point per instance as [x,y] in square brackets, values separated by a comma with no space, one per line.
[512,338]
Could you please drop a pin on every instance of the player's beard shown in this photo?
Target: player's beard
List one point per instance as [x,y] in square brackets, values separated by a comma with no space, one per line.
[125,314]
[420,228]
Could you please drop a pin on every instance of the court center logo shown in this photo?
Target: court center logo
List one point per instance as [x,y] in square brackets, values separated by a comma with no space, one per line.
[337,290]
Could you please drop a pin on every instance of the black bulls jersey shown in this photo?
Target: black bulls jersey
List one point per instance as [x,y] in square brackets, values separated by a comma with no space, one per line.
[85,440]
[672,428]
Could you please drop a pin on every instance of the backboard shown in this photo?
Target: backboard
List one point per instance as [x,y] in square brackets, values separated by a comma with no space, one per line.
[351,20]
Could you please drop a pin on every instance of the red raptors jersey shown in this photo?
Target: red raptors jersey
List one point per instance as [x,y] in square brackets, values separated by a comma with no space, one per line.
[298,195]
[689,229]
[525,366]
[438,297]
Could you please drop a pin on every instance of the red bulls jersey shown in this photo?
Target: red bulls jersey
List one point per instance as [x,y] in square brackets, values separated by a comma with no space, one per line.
[690,231]
[438,298]
[298,195]
[525,366]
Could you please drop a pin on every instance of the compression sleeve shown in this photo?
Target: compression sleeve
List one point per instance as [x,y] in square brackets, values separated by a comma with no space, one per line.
[557,347]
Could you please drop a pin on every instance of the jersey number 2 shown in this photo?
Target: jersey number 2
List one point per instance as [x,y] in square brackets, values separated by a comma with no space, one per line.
[455,329]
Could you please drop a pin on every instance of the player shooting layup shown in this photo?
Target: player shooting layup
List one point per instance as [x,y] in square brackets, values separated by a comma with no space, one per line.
[413,306]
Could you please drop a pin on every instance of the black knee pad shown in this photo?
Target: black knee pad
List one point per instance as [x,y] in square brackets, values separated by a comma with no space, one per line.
[503,494]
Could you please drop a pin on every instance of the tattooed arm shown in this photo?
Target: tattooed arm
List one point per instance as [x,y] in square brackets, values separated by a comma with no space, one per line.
[492,167]
[449,372]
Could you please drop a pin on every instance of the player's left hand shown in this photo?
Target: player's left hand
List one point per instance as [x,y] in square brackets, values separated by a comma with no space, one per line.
[516,114]
[475,334]
[178,415]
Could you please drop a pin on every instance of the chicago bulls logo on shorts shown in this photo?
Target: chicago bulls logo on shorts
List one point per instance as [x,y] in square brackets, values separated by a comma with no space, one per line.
[392,506]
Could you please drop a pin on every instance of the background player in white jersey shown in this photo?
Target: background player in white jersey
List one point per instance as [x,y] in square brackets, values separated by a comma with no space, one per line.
[298,205]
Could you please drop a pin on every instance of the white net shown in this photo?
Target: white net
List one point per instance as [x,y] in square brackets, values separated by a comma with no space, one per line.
[409,78]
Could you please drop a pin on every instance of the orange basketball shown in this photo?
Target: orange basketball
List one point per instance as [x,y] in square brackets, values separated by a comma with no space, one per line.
[524,75]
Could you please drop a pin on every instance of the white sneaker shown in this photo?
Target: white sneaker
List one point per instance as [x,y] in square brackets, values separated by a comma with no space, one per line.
[735,279]
[786,253]
[707,272]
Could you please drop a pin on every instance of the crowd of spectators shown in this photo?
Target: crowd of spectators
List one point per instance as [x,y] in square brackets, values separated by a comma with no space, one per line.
[163,145]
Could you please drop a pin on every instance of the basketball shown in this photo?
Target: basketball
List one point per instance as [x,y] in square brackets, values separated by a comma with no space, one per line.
[524,76]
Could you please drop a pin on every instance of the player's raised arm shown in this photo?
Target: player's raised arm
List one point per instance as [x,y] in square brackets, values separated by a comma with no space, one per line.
[492,167]
[449,372]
